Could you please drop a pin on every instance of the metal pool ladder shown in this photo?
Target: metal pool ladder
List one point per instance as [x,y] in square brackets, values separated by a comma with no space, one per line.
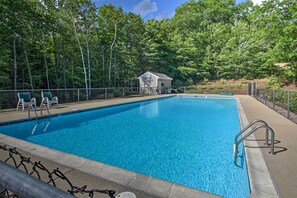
[41,106]
[34,109]
[44,105]
[254,129]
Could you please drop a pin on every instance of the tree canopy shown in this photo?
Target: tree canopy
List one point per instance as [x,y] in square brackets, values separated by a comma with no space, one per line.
[72,43]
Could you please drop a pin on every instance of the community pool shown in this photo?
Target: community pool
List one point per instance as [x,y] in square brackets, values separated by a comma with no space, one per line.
[185,140]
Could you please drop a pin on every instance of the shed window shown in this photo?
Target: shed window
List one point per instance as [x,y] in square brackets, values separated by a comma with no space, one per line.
[162,84]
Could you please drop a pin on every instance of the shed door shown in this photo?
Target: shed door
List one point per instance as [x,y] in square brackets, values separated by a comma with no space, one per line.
[162,87]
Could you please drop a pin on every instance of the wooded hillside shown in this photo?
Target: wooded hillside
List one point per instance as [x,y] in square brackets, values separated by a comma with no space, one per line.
[71,43]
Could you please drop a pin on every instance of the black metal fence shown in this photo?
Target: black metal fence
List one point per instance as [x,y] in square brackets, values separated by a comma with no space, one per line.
[215,89]
[282,101]
[8,98]
[23,182]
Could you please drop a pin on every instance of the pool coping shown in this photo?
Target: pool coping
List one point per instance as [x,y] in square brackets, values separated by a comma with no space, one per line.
[261,183]
[132,180]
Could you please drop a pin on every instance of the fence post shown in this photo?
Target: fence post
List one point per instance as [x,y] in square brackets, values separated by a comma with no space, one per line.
[256,94]
[123,92]
[77,95]
[184,90]
[288,116]
[273,98]
[265,96]
[105,93]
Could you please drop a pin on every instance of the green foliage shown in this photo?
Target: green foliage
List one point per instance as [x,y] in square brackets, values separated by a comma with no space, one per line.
[293,103]
[205,40]
[223,89]
[275,83]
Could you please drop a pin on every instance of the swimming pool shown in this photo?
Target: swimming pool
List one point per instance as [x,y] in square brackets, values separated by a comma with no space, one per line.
[185,140]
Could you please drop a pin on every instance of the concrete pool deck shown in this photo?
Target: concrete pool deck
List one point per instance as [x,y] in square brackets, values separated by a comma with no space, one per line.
[282,166]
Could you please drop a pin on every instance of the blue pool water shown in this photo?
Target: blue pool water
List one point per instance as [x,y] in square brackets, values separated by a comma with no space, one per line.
[186,140]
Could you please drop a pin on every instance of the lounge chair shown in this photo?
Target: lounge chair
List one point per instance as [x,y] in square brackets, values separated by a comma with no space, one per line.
[48,99]
[25,100]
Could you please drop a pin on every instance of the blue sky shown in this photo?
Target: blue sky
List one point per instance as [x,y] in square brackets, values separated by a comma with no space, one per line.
[156,9]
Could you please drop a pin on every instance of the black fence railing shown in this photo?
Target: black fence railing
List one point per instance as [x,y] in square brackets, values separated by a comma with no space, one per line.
[282,101]
[215,89]
[9,99]
[24,177]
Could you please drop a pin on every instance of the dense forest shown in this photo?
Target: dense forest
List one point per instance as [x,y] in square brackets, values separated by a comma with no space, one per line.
[72,43]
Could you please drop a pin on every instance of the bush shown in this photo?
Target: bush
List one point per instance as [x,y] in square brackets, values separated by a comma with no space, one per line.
[205,81]
[275,83]
[293,102]
[222,81]
[293,106]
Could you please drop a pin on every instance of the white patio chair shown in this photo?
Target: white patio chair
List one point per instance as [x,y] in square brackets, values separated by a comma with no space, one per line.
[25,100]
[48,99]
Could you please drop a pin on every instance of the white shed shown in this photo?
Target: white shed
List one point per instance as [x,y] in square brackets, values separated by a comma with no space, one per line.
[155,83]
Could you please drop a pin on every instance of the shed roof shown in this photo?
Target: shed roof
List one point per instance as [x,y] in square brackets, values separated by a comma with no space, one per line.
[158,75]
[162,76]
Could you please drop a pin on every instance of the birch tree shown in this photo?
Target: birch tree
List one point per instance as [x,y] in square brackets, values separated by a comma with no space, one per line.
[28,67]
[82,59]
[110,54]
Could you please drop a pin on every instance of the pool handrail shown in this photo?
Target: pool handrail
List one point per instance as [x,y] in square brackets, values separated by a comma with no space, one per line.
[248,126]
[264,125]
[42,104]
[34,109]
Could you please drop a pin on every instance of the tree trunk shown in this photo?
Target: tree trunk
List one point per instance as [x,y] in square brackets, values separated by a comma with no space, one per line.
[115,70]
[57,62]
[103,64]
[64,67]
[46,71]
[89,67]
[45,63]
[72,77]
[14,63]
[110,57]
[72,74]
[82,59]
[28,67]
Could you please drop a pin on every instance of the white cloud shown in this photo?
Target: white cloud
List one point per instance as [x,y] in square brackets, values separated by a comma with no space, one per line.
[164,15]
[257,2]
[145,7]
[160,17]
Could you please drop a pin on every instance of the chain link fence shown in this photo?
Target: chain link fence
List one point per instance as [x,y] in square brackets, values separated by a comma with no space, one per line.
[8,98]
[215,89]
[282,101]
[39,171]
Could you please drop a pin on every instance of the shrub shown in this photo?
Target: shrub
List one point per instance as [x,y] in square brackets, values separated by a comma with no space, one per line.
[275,83]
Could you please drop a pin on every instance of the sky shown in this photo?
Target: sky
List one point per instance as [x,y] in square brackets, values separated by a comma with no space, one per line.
[157,9]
